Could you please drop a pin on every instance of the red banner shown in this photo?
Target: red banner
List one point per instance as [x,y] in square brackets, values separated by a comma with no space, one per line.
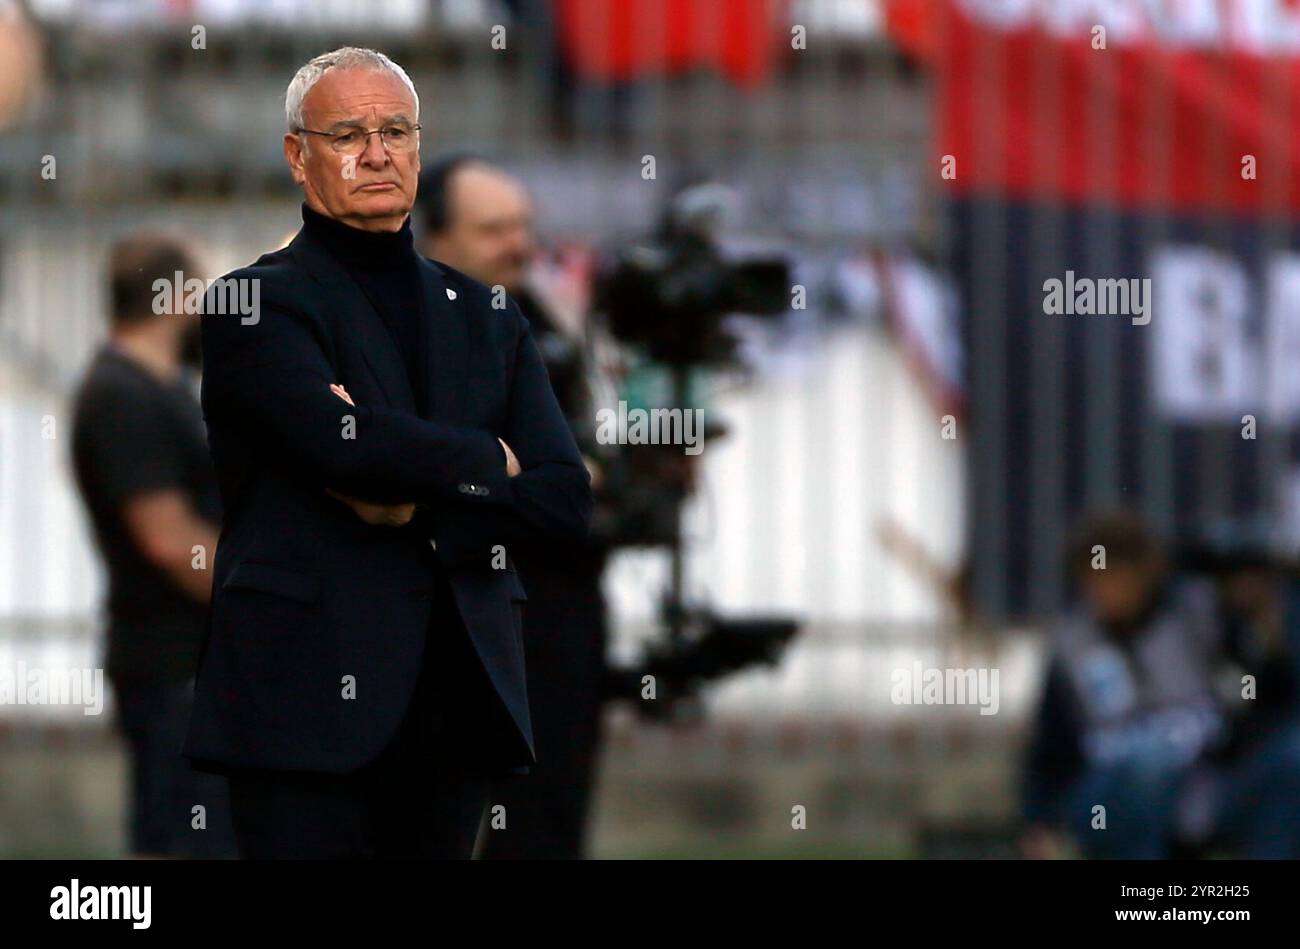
[619,40]
[1159,104]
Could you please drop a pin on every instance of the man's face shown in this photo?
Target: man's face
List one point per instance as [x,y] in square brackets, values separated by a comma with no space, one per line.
[490,234]
[1121,592]
[375,190]
[1250,590]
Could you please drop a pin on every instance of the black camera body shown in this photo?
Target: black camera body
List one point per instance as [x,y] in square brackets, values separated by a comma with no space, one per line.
[671,296]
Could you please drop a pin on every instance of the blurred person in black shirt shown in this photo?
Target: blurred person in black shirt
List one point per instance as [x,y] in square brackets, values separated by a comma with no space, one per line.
[479,219]
[141,460]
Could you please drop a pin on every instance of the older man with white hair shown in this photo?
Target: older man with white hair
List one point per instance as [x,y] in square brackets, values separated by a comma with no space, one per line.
[384,432]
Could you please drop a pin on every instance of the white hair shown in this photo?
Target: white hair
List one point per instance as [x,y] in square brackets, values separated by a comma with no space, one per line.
[346,57]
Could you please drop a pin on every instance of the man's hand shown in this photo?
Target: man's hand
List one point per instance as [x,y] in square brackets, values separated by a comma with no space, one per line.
[396,515]
[594,471]
[512,463]
[379,515]
[1040,843]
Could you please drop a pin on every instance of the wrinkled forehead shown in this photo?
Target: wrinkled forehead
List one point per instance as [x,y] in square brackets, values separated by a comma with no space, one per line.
[359,96]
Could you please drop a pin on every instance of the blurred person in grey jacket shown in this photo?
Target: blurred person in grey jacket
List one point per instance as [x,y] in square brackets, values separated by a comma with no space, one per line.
[1129,707]
[1133,752]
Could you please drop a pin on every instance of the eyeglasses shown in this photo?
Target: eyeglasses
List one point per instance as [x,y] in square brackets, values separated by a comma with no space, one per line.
[398,138]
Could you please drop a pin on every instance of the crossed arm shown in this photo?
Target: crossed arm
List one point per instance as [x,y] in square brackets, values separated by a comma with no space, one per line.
[396,515]
[272,380]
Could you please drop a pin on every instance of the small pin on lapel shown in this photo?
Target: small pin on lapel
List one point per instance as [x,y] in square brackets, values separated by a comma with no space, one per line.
[451,294]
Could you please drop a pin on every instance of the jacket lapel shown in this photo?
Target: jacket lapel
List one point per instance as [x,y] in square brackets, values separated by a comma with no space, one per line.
[448,345]
[367,328]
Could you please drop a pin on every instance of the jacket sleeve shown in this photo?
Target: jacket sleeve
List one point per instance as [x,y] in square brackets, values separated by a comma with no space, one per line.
[550,499]
[269,379]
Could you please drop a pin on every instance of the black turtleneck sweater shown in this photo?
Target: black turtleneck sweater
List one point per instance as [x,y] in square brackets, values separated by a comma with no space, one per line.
[384,264]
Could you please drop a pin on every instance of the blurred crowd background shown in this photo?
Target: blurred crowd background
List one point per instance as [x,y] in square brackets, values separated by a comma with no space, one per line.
[909,463]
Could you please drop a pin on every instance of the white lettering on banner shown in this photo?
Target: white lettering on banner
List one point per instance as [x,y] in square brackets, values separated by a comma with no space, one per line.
[1205,361]
[1227,335]
[1253,26]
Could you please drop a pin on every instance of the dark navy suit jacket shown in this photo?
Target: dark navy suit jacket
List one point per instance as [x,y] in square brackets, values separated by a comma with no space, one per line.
[318,620]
